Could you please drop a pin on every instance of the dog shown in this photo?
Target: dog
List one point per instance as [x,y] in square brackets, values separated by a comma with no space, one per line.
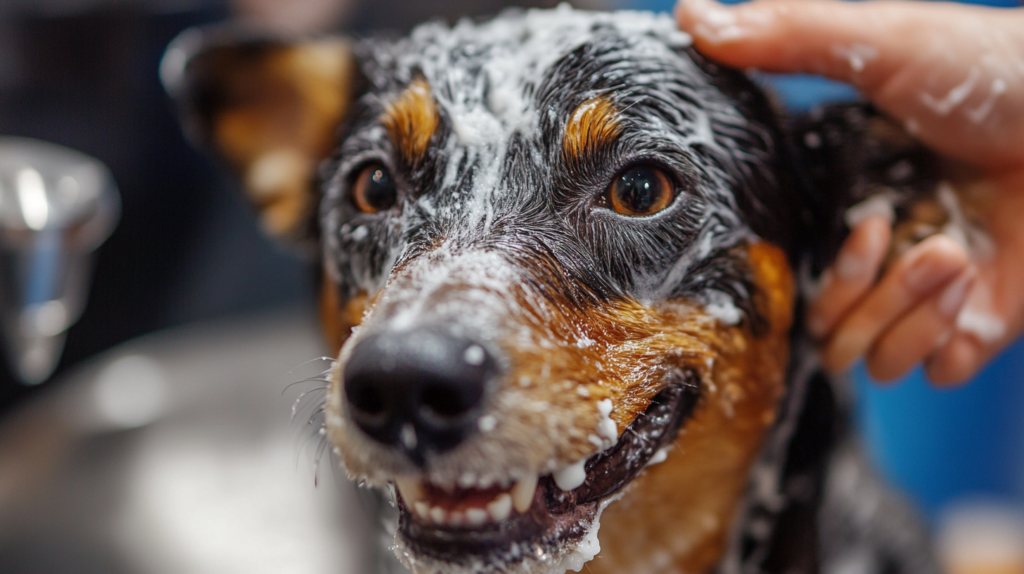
[563,257]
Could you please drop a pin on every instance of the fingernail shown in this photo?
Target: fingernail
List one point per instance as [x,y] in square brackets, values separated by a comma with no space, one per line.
[715,23]
[845,348]
[863,251]
[958,360]
[850,265]
[953,297]
[927,273]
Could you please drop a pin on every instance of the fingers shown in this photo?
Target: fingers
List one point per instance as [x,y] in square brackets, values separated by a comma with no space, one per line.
[915,277]
[993,316]
[956,361]
[852,275]
[916,336]
[932,305]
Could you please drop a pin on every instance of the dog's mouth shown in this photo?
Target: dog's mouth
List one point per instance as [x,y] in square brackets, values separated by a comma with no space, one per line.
[534,518]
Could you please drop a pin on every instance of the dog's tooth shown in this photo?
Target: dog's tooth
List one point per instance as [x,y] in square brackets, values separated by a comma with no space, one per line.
[438,515]
[501,508]
[476,516]
[572,476]
[522,493]
[410,488]
[485,481]
[467,480]
[422,509]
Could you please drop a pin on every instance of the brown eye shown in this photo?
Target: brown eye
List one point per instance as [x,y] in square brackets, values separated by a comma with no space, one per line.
[374,189]
[640,190]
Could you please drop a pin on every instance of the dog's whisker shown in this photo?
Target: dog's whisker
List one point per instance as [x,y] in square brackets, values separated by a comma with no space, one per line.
[626,109]
[316,408]
[309,362]
[304,381]
[318,411]
[321,449]
[316,436]
[300,403]
[311,391]
[639,436]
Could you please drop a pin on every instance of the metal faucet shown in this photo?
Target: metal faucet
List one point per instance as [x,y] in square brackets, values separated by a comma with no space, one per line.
[56,207]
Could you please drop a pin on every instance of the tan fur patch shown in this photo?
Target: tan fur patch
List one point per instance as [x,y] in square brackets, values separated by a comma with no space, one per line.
[278,120]
[592,126]
[337,318]
[677,516]
[411,120]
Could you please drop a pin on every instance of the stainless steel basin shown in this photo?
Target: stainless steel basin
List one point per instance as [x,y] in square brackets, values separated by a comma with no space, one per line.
[175,453]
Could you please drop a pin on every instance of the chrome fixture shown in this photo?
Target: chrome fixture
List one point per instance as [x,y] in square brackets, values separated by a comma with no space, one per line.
[56,207]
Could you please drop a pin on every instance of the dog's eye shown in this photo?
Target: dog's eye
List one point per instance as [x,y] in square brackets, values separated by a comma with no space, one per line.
[374,189]
[640,190]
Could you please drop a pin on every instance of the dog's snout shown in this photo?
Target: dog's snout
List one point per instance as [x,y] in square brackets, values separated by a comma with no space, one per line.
[420,391]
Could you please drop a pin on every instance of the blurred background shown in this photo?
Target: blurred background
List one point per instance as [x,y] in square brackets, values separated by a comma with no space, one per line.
[188,297]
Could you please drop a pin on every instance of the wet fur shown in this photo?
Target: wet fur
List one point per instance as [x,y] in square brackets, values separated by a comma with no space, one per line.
[502,238]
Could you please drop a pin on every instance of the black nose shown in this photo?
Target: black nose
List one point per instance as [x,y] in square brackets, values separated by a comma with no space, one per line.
[418,390]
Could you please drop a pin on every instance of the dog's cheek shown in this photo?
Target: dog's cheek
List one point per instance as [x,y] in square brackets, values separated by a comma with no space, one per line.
[773,278]
[677,516]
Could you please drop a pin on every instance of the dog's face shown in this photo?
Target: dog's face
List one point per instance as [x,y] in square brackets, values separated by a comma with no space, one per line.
[555,248]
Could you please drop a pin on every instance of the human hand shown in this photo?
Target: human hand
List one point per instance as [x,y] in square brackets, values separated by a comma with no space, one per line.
[954,75]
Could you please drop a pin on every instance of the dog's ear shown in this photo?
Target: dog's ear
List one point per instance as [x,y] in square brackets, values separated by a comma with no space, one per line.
[270,109]
[850,154]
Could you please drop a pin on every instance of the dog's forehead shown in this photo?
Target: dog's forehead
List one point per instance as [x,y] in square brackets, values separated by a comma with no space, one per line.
[484,75]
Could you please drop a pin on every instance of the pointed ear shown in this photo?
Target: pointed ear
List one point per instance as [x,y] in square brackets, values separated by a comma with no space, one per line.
[852,153]
[269,108]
